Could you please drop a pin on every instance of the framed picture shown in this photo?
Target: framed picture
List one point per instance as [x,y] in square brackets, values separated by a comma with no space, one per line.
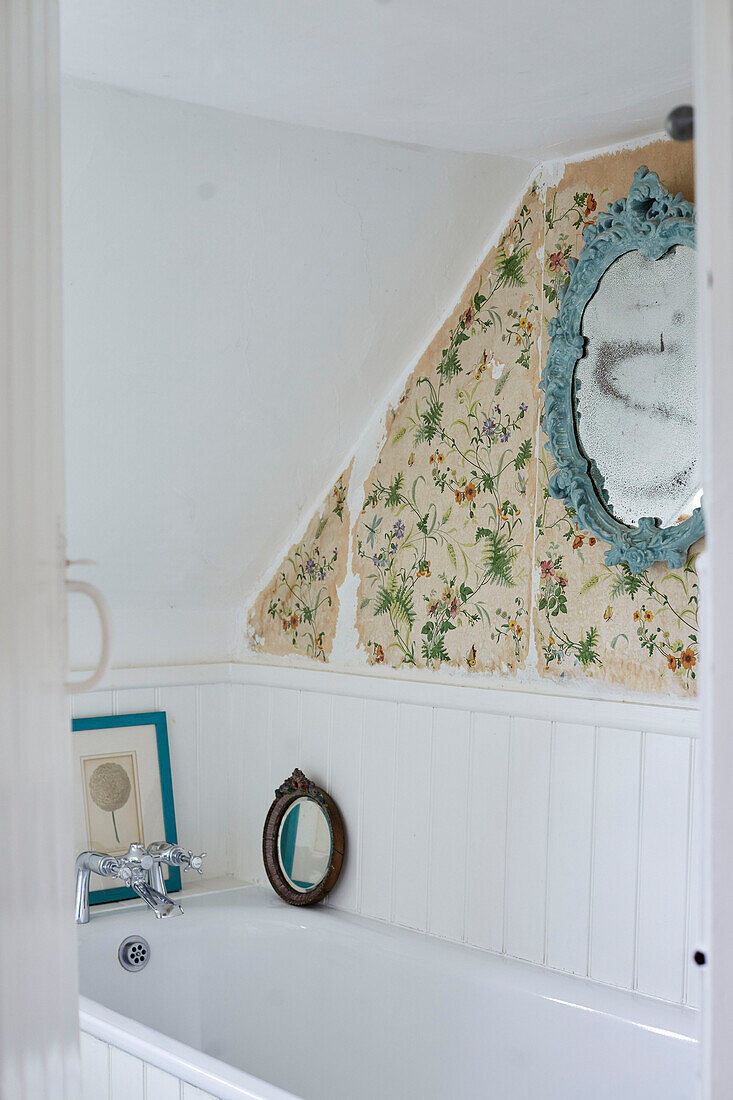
[123,793]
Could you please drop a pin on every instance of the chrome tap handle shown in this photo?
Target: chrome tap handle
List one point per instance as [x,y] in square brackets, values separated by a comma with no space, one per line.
[194,862]
[176,856]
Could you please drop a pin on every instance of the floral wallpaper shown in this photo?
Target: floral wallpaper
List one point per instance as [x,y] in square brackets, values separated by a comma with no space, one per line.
[297,612]
[443,545]
[460,556]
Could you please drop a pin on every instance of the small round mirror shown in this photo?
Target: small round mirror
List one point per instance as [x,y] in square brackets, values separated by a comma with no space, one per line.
[303,841]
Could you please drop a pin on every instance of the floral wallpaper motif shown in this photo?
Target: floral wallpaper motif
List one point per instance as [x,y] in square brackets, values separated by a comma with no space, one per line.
[298,610]
[591,620]
[461,556]
[443,543]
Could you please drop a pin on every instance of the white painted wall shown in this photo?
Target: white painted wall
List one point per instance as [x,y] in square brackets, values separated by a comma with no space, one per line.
[239,294]
[558,830]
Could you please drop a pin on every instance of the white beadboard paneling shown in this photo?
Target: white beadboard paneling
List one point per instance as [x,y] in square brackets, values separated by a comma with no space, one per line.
[215,798]
[693,990]
[378,793]
[253,791]
[126,1076]
[435,799]
[94,1068]
[346,759]
[569,852]
[412,815]
[487,810]
[160,1085]
[680,718]
[284,735]
[315,725]
[190,1092]
[93,704]
[663,867]
[447,867]
[526,873]
[135,701]
[181,705]
[38,979]
[615,857]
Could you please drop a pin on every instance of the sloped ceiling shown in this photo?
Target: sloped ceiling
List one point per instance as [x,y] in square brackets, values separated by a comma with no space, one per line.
[239,295]
[522,78]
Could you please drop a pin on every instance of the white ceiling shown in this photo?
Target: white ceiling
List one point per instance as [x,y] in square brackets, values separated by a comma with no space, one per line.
[524,78]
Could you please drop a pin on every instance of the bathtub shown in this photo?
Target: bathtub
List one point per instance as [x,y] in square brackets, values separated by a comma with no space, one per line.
[244,996]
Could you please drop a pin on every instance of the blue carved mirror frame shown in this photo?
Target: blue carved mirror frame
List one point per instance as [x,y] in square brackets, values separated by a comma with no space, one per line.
[651,221]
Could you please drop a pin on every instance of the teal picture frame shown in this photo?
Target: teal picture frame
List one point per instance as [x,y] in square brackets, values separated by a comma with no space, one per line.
[652,221]
[156,718]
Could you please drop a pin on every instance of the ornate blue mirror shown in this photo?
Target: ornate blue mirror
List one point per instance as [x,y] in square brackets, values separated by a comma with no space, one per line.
[621,402]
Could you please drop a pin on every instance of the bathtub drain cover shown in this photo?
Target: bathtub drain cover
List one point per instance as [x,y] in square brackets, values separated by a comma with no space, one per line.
[134,953]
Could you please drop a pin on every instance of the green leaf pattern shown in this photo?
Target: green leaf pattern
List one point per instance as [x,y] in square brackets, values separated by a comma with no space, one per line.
[442,538]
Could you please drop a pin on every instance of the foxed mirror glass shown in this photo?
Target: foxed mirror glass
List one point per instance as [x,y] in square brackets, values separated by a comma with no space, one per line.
[303,841]
[621,405]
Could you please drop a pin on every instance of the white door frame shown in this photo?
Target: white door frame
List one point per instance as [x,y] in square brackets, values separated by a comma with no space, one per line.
[38,979]
[714,198]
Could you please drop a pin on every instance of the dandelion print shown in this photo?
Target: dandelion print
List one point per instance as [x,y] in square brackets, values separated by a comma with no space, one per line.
[110,788]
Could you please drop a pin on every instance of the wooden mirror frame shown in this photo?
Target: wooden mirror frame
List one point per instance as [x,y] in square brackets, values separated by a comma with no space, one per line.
[651,221]
[295,787]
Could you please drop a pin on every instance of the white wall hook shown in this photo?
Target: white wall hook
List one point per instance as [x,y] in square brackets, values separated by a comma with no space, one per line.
[73,687]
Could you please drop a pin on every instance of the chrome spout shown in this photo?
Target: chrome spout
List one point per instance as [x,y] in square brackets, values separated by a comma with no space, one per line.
[160,903]
[87,862]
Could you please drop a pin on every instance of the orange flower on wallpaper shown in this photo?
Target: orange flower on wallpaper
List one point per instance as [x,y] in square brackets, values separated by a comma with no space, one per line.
[688,658]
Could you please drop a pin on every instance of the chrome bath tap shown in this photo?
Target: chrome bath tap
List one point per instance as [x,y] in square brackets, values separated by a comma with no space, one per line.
[174,856]
[140,869]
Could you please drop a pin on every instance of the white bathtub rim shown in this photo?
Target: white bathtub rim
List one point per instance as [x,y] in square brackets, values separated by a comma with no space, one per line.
[514,974]
[192,1066]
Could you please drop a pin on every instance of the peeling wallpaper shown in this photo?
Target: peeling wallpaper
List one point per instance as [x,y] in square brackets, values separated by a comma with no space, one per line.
[459,556]
[443,544]
[298,611]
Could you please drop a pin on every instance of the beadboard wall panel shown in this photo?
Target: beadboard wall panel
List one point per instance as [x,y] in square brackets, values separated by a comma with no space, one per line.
[109,1073]
[570,847]
[514,824]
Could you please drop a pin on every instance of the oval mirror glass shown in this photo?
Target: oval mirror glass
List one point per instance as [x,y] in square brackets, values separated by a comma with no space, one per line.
[304,845]
[636,400]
